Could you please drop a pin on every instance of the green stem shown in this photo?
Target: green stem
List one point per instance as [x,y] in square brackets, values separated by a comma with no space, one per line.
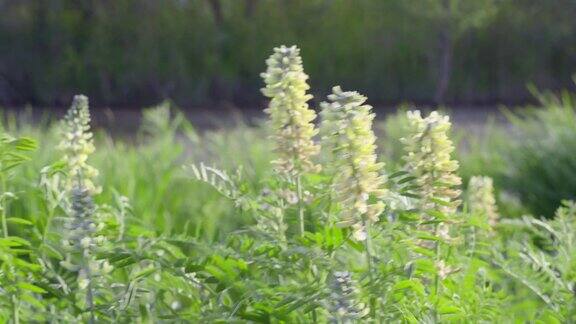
[4,223]
[15,301]
[3,207]
[437,278]
[368,254]
[300,204]
[473,247]
[46,229]
[15,311]
[89,293]
[86,265]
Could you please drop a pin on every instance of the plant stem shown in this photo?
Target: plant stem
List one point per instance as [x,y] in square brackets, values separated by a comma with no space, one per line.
[89,294]
[15,301]
[437,277]
[86,263]
[368,254]
[90,302]
[300,204]
[4,224]
[15,307]
[3,207]
[46,229]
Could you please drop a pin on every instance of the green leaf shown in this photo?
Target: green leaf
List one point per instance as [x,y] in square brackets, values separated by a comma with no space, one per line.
[25,264]
[426,236]
[51,251]
[25,144]
[30,287]
[20,221]
[448,309]
[397,174]
[13,241]
[425,266]
[407,179]
[438,215]
[442,202]
[355,245]
[411,284]
[410,195]
[144,273]
[424,251]
[281,312]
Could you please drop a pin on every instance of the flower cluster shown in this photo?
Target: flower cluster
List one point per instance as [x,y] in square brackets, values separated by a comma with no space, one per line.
[77,144]
[82,239]
[428,151]
[290,117]
[343,306]
[347,133]
[481,199]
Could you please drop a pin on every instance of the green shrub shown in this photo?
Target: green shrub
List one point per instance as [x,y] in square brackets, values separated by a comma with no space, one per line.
[532,158]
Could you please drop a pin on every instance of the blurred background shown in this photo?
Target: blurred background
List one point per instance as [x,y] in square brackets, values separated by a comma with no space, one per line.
[206,56]
[209,53]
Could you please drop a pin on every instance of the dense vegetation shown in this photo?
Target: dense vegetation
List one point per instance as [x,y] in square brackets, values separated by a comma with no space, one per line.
[128,52]
[307,225]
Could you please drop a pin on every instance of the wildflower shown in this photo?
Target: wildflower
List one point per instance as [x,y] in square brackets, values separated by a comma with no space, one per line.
[289,196]
[290,117]
[342,305]
[175,305]
[347,133]
[77,144]
[81,239]
[445,270]
[481,199]
[80,226]
[428,152]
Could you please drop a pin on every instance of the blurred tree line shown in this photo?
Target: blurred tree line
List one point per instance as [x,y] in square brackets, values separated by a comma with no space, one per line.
[136,52]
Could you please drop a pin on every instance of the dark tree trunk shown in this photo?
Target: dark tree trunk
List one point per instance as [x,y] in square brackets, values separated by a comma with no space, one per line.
[216,7]
[216,87]
[250,8]
[446,49]
[445,66]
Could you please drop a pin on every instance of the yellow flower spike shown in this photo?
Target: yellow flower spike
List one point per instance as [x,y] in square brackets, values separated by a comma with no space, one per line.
[290,117]
[77,145]
[428,158]
[347,134]
[481,199]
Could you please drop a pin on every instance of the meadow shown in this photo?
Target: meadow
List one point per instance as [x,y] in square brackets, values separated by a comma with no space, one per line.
[328,217]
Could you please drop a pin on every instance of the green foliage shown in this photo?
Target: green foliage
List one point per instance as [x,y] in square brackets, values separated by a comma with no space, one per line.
[18,271]
[548,263]
[532,160]
[202,243]
[546,138]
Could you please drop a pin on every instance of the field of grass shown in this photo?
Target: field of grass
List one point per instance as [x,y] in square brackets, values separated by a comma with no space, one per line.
[299,220]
